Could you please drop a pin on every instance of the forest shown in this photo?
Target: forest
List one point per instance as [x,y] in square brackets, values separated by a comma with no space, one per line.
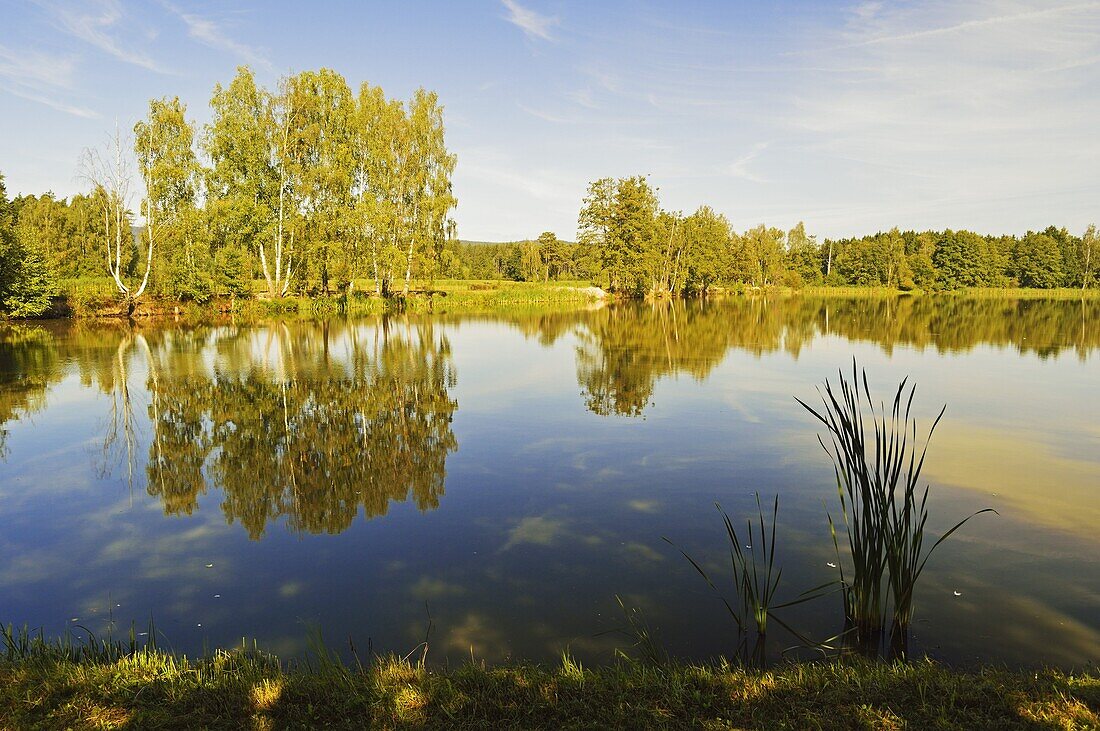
[304,188]
[313,189]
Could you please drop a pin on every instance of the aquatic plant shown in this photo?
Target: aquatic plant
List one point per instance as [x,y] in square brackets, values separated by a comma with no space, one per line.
[21,643]
[645,643]
[756,578]
[877,470]
[752,573]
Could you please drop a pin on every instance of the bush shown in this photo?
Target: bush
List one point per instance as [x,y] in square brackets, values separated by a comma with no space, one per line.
[794,280]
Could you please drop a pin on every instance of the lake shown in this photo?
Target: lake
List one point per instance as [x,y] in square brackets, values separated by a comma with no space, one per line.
[495,482]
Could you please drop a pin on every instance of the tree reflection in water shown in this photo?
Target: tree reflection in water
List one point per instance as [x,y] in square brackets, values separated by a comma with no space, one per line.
[309,422]
[624,351]
[28,367]
[288,428]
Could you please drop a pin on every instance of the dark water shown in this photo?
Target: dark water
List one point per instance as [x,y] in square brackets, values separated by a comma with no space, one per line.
[511,475]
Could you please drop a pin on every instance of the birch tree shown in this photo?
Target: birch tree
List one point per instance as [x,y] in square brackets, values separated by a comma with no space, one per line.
[163,144]
[110,172]
[320,156]
[705,252]
[1090,256]
[378,125]
[426,182]
[242,182]
[253,183]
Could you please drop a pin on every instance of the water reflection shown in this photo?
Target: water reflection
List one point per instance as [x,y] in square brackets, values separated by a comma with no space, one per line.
[311,421]
[158,451]
[623,351]
[301,434]
[28,364]
[307,423]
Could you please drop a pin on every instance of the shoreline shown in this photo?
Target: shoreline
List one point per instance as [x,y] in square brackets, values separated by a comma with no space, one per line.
[474,297]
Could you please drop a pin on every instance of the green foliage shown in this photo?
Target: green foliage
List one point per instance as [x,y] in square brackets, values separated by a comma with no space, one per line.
[232,272]
[694,259]
[640,249]
[618,220]
[758,256]
[31,284]
[309,186]
[803,258]
[961,259]
[1037,261]
[874,261]
[28,283]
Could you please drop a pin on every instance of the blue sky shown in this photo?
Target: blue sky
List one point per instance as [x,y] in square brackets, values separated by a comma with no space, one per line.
[850,116]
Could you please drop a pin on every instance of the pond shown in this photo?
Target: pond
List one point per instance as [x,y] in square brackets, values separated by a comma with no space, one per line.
[496,482]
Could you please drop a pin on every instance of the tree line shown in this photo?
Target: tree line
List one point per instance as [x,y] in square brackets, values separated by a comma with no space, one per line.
[642,249]
[306,188]
[310,187]
[628,244]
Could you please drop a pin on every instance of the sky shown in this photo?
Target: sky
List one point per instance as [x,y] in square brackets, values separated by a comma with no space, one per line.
[853,117]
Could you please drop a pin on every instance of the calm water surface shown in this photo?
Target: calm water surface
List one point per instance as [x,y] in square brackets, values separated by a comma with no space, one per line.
[511,475]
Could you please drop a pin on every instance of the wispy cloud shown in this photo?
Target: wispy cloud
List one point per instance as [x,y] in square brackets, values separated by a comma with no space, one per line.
[966,25]
[535,25]
[38,77]
[547,116]
[587,118]
[542,184]
[97,24]
[209,33]
[584,97]
[739,168]
[49,102]
[36,68]
[939,114]
[1071,64]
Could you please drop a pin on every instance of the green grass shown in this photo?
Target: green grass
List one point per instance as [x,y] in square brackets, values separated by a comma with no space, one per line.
[481,296]
[846,291]
[96,296]
[967,292]
[1025,293]
[154,690]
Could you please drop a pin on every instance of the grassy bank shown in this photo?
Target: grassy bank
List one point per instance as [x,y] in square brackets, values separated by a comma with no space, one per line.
[1062,293]
[149,689]
[971,292]
[96,297]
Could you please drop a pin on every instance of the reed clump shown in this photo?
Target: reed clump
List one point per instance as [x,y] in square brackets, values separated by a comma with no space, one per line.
[756,576]
[877,462]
